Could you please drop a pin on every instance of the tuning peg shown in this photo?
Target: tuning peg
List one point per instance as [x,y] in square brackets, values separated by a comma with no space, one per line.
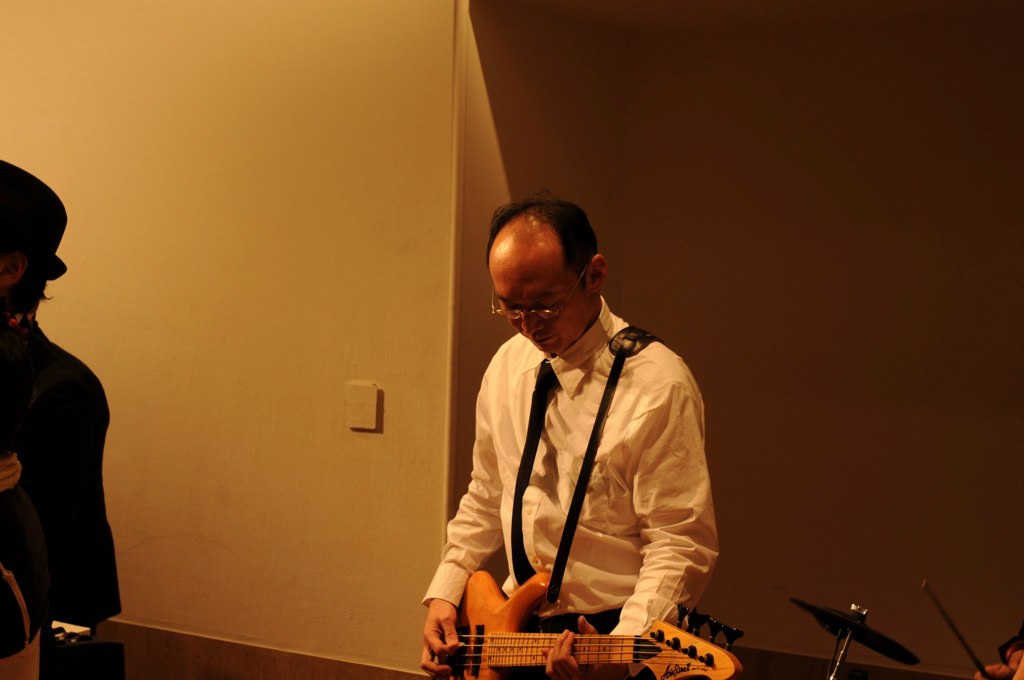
[714,627]
[691,617]
[731,635]
[696,621]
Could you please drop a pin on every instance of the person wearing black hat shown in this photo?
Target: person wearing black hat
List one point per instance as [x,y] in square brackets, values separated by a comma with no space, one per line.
[61,440]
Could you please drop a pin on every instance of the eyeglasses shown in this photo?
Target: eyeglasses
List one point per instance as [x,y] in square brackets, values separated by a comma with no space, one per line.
[550,313]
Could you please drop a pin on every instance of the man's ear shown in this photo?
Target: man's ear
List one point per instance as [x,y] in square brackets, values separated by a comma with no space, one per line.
[597,273]
[12,268]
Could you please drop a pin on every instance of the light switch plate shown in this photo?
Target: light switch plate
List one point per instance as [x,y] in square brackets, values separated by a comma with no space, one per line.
[361,404]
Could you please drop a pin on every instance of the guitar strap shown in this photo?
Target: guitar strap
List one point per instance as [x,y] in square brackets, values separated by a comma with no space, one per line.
[626,343]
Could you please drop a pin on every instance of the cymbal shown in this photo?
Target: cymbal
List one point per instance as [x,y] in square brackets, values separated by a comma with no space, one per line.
[835,622]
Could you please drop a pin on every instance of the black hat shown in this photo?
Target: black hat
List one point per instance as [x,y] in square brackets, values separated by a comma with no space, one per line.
[33,218]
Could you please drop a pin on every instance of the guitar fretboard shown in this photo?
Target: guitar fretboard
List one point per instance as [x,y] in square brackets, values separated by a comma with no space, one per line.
[504,650]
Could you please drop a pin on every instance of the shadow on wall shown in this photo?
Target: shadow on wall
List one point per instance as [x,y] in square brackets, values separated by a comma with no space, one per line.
[822,217]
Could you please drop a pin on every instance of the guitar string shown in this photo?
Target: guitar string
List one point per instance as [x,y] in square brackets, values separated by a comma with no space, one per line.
[518,639]
[515,639]
[503,650]
[545,641]
[538,660]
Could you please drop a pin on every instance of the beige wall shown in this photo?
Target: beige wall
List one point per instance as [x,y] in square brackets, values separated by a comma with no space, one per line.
[260,210]
[821,213]
[531,122]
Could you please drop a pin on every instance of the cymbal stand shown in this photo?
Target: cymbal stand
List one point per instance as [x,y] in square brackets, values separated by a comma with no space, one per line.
[844,636]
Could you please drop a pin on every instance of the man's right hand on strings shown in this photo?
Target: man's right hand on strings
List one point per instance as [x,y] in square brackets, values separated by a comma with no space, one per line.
[440,639]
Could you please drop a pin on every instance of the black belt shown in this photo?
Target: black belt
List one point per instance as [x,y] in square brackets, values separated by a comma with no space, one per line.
[604,622]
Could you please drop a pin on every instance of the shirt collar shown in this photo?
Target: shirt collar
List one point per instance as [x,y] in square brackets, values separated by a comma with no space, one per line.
[579,358]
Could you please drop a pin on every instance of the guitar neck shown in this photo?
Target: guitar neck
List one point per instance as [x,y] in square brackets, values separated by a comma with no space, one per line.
[506,650]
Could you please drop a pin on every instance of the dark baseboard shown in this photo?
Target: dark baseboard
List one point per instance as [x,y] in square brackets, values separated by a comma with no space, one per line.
[155,654]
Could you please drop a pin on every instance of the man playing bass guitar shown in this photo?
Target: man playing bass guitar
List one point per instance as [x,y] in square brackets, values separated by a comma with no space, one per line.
[645,539]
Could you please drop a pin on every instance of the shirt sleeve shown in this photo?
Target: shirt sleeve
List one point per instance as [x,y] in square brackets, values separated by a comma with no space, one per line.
[672,499]
[1012,645]
[475,531]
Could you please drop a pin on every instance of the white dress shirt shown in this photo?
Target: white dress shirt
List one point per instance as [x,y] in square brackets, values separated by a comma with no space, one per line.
[646,539]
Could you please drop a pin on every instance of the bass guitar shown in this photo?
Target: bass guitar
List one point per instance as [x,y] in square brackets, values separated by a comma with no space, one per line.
[492,643]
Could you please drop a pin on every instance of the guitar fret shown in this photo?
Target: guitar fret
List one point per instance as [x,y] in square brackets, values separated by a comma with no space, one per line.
[523,649]
[505,650]
[604,649]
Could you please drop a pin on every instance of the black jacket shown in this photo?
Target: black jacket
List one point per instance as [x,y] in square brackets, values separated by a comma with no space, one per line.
[61,452]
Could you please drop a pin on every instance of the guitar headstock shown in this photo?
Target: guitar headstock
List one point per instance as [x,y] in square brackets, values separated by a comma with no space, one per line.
[674,654]
[695,622]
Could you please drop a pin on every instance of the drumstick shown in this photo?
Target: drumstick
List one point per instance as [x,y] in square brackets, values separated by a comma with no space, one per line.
[956,631]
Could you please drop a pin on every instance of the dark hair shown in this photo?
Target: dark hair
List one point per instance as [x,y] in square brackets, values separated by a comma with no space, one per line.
[26,293]
[15,384]
[570,223]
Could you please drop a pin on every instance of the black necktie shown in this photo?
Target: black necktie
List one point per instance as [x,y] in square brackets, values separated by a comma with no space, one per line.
[545,381]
